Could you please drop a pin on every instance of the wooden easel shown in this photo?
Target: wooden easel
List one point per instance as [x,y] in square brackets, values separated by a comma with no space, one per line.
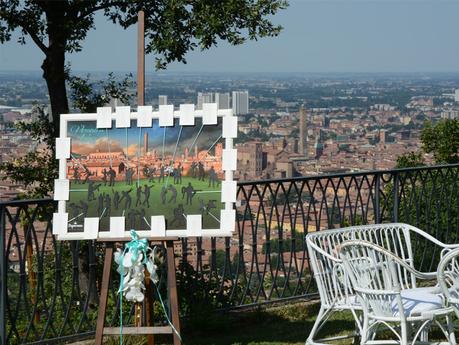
[149,330]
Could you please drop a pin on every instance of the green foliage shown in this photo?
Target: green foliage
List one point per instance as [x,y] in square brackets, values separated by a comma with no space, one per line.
[201,292]
[87,96]
[255,133]
[37,169]
[53,294]
[410,160]
[428,199]
[442,140]
[286,245]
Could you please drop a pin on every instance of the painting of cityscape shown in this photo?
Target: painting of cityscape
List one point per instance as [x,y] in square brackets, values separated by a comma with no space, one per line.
[141,172]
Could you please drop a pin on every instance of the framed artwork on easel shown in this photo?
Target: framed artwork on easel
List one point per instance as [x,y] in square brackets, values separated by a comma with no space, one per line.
[163,173]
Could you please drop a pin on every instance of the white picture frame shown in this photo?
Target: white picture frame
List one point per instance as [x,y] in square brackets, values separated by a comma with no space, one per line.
[106,119]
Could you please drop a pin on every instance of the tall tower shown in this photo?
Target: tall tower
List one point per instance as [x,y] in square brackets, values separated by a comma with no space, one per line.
[223,100]
[162,100]
[303,144]
[240,102]
[204,97]
[145,143]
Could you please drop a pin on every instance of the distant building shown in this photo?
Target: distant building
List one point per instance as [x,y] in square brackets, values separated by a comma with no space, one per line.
[303,144]
[240,101]
[318,148]
[383,136]
[456,95]
[405,135]
[162,100]
[223,100]
[250,159]
[450,114]
[204,97]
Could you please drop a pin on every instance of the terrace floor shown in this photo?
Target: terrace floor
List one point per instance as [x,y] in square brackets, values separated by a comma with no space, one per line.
[286,324]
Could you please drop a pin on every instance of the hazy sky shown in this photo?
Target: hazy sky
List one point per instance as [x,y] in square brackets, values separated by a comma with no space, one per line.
[318,36]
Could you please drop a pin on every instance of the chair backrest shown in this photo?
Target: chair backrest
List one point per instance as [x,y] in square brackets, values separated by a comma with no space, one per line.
[323,247]
[377,276]
[448,278]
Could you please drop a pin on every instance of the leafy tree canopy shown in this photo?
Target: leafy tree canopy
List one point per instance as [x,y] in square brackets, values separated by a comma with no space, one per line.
[36,170]
[87,96]
[410,160]
[442,140]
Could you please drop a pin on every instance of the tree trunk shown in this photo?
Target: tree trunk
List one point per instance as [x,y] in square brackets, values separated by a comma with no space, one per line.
[54,64]
[54,74]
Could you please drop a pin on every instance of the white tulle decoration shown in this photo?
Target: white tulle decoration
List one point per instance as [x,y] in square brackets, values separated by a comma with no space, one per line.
[131,267]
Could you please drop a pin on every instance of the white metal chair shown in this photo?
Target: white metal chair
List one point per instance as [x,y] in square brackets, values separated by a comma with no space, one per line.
[335,292]
[383,284]
[448,278]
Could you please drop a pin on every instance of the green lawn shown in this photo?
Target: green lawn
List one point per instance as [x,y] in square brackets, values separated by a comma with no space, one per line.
[204,194]
[288,324]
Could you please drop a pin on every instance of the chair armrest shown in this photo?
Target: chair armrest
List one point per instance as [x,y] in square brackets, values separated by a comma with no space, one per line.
[432,239]
[395,258]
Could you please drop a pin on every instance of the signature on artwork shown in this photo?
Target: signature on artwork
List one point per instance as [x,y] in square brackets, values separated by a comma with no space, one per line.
[82,130]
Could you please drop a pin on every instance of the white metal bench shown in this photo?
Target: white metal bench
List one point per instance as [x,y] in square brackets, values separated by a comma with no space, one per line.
[336,294]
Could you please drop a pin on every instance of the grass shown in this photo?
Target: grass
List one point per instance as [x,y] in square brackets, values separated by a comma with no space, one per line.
[204,194]
[284,325]
[288,324]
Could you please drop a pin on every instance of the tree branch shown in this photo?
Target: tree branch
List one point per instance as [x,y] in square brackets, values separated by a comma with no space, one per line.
[101,7]
[37,40]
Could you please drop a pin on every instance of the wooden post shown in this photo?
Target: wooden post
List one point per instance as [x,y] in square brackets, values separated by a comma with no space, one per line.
[32,277]
[104,292]
[141,101]
[172,287]
[30,272]
[141,59]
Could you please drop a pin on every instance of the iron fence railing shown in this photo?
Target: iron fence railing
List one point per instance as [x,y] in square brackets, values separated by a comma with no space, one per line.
[49,289]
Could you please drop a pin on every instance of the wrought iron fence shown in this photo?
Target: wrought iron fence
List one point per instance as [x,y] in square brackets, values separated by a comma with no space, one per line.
[49,289]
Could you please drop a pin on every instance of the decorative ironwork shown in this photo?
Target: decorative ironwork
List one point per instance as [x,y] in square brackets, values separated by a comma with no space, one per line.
[49,289]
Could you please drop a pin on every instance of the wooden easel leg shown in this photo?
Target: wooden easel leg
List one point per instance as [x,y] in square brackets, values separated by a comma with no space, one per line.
[149,306]
[104,293]
[172,288]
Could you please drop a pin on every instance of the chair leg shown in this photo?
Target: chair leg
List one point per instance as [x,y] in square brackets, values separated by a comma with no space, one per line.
[404,332]
[365,331]
[424,335]
[358,317]
[316,327]
[357,336]
[450,327]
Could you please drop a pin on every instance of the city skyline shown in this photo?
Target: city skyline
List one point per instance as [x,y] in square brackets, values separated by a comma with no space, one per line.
[318,36]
